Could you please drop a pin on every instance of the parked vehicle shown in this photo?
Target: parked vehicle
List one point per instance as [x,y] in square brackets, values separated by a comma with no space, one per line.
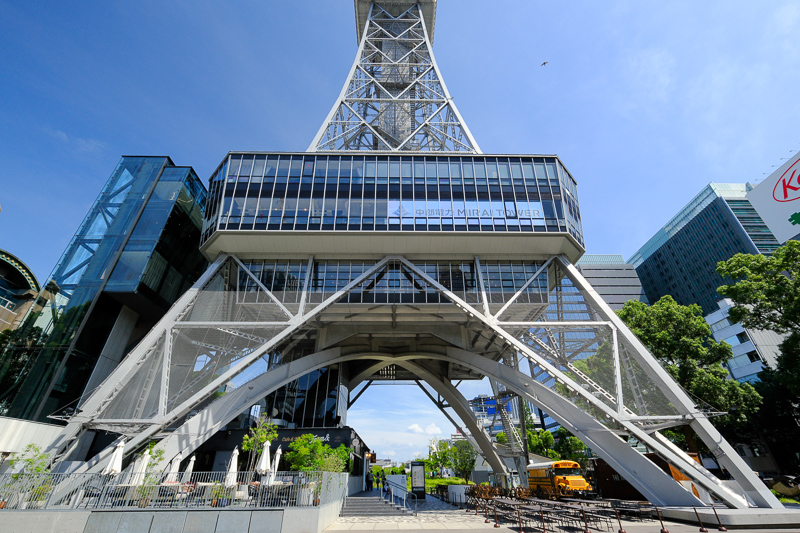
[556,479]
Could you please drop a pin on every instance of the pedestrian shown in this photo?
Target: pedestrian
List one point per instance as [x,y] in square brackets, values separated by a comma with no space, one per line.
[369,479]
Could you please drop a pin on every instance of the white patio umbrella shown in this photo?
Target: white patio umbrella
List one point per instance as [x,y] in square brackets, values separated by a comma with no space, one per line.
[140,468]
[263,466]
[114,465]
[187,474]
[174,466]
[233,469]
[274,471]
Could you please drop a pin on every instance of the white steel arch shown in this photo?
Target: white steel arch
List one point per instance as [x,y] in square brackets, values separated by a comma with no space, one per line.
[629,394]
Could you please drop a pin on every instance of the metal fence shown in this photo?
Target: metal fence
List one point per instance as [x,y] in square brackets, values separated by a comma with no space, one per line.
[145,491]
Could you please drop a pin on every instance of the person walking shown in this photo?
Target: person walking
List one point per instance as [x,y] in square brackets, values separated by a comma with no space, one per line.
[378,480]
[369,480]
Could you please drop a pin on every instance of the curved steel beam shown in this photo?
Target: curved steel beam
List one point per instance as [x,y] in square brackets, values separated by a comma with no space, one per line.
[650,480]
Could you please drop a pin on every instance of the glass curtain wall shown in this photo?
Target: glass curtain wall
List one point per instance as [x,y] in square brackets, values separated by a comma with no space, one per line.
[392,193]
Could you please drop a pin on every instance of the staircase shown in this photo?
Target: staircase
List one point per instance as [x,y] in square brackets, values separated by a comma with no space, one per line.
[370,504]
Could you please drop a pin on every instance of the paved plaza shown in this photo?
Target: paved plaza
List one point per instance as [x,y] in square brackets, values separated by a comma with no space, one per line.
[436,515]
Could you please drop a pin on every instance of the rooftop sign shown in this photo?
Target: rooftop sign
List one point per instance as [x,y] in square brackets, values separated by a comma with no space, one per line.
[777,200]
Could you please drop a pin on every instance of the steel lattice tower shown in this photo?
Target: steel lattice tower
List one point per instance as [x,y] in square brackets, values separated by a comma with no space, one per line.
[395,249]
[394,98]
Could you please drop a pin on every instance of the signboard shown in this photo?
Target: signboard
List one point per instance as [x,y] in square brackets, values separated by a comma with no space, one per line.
[418,479]
[333,437]
[777,200]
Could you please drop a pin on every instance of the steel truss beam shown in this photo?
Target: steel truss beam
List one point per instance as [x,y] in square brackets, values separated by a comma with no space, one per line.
[394,98]
[583,417]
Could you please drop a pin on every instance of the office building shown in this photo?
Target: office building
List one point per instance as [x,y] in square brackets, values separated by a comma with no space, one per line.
[614,280]
[397,250]
[134,253]
[681,258]
[753,350]
[18,289]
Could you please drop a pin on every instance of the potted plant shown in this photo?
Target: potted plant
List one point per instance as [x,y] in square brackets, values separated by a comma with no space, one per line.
[33,482]
[221,495]
[262,432]
[151,476]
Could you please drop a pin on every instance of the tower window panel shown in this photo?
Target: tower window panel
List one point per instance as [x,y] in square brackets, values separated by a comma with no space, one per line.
[283,167]
[296,167]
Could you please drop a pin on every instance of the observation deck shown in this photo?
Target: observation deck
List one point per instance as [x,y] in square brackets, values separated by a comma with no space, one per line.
[289,205]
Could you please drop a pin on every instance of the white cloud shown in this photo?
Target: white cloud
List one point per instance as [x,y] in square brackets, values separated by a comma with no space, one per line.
[390,453]
[414,428]
[78,144]
[418,454]
[432,429]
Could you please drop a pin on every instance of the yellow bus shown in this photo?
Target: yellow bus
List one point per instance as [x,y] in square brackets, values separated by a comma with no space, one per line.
[556,479]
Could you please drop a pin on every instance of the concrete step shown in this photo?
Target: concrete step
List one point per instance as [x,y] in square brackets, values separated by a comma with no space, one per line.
[371,506]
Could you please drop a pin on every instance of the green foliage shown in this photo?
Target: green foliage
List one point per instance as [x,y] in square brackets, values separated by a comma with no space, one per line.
[152,471]
[440,456]
[253,442]
[766,295]
[501,438]
[33,460]
[308,454]
[541,442]
[463,459]
[681,340]
[570,448]
[335,458]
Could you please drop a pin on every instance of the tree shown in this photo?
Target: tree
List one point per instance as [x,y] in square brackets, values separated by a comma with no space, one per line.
[440,456]
[766,296]
[33,460]
[681,340]
[463,459]
[253,442]
[569,447]
[541,443]
[308,454]
[501,438]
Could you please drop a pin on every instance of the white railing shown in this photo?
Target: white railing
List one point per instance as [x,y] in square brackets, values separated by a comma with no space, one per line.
[158,491]
[399,494]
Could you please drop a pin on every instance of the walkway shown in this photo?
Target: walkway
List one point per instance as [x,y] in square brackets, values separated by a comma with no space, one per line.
[435,515]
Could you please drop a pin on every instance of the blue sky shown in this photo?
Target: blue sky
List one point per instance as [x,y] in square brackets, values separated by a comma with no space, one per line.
[645,102]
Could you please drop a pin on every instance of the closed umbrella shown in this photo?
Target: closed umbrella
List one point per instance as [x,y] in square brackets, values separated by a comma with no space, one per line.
[174,466]
[187,474]
[263,462]
[274,471]
[233,469]
[140,468]
[114,465]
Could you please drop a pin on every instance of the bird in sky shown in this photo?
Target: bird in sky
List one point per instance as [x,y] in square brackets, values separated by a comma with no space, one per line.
[543,64]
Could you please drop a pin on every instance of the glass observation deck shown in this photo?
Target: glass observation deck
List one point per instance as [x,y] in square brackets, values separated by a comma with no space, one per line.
[266,195]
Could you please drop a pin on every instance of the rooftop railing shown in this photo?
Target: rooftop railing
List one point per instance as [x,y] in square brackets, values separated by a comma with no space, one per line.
[199,490]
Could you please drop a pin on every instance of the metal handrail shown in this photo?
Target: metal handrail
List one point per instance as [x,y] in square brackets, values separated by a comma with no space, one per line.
[405,491]
[155,490]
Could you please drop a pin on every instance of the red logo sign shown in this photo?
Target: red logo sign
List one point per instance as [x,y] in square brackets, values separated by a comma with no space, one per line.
[788,186]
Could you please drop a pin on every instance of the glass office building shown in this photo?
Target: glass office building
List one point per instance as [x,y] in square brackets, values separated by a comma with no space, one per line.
[133,255]
[681,258]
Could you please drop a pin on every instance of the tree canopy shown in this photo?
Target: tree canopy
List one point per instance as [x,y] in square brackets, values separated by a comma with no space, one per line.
[681,340]
[308,453]
[766,296]
[463,458]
